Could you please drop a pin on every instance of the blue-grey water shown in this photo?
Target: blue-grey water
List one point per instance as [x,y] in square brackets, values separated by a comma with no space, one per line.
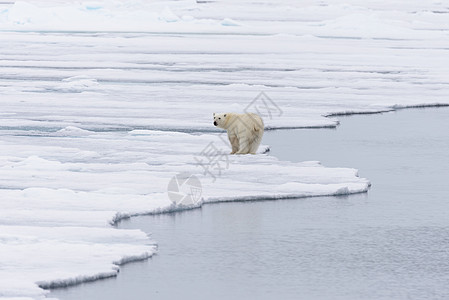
[391,243]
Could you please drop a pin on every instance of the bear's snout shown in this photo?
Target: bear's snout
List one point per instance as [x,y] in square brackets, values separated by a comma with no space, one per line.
[215,123]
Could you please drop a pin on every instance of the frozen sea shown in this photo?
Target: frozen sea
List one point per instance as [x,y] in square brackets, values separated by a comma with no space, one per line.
[391,243]
[104,102]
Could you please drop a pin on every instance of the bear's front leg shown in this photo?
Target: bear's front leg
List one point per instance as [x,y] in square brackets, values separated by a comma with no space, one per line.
[243,146]
[234,143]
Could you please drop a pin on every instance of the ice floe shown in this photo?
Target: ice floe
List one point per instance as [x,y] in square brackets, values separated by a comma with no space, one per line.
[104,102]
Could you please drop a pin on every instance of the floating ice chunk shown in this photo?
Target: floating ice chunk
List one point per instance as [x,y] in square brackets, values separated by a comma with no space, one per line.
[37,163]
[77,83]
[73,131]
[91,5]
[80,78]
[230,22]
[167,15]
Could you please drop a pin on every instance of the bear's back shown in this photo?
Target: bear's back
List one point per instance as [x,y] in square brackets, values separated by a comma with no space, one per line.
[249,120]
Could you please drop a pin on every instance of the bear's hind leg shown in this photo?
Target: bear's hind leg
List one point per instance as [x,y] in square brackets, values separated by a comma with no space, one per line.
[255,144]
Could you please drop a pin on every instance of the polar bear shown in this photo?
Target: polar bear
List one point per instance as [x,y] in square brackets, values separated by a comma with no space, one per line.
[245,131]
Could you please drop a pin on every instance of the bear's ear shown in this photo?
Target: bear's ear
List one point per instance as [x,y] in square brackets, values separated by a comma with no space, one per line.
[214,114]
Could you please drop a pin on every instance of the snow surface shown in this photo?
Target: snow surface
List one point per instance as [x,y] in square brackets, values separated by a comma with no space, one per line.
[102,103]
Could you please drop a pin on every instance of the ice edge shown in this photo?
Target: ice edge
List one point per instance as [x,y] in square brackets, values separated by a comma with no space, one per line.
[63,283]
[122,216]
[343,191]
[391,108]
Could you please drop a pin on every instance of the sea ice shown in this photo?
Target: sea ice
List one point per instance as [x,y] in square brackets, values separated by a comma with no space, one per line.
[104,102]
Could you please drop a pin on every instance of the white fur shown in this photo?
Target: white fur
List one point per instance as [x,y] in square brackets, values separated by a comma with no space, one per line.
[245,131]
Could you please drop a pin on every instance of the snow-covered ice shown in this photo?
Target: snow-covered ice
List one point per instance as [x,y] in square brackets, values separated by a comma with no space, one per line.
[102,103]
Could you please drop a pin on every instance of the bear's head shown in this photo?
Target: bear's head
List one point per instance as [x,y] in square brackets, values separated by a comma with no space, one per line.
[220,120]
